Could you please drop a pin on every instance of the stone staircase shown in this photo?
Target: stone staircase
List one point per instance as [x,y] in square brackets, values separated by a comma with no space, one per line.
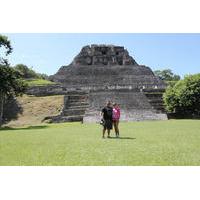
[135,105]
[155,98]
[75,105]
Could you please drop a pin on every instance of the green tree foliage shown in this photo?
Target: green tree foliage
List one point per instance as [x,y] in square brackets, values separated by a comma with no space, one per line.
[5,43]
[44,76]
[26,72]
[167,75]
[184,96]
[29,73]
[11,83]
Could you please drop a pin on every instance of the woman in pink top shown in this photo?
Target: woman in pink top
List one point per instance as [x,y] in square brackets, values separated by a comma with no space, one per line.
[116,117]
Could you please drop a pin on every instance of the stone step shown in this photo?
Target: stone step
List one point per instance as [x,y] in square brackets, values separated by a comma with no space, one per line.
[71,107]
[77,97]
[78,108]
[72,118]
[154,95]
[155,100]
[77,93]
[70,112]
[160,112]
[75,103]
[159,109]
[158,90]
[157,104]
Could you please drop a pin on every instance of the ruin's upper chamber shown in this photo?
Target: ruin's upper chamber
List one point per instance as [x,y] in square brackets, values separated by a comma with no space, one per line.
[102,66]
[103,55]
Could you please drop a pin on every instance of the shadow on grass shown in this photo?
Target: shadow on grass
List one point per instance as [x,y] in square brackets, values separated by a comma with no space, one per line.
[122,138]
[6,128]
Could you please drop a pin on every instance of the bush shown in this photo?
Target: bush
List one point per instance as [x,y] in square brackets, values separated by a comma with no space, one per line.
[184,96]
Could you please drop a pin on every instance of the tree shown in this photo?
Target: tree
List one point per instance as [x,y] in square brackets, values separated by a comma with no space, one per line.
[184,96]
[28,72]
[4,42]
[10,80]
[44,76]
[11,85]
[167,75]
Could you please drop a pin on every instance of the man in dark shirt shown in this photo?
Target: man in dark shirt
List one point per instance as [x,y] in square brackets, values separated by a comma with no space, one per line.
[106,113]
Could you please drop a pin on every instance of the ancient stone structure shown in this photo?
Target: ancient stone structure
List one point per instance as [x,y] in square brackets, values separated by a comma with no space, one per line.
[47,90]
[106,72]
[105,67]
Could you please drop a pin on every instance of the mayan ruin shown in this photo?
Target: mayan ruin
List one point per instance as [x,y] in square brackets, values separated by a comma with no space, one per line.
[107,72]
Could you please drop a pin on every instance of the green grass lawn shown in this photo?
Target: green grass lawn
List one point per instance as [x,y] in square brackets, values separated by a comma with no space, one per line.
[39,82]
[174,142]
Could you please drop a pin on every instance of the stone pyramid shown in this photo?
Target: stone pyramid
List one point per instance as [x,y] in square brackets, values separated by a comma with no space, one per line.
[107,72]
[104,66]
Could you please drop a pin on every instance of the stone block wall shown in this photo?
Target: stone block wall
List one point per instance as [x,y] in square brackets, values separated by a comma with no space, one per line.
[47,90]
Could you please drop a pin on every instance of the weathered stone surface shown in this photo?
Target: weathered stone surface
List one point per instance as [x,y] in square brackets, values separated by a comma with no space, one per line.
[102,54]
[135,105]
[100,66]
[107,72]
[47,90]
[75,105]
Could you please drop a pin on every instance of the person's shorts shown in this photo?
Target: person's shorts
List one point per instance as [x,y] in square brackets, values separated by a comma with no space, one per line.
[108,124]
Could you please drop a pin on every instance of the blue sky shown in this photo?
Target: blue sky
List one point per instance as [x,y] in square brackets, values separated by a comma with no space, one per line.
[47,52]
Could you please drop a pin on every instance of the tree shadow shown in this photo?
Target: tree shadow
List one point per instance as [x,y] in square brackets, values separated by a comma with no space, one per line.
[12,109]
[123,138]
[6,128]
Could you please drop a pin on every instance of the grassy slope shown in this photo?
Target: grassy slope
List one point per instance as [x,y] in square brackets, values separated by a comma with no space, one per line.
[36,108]
[142,143]
[38,82]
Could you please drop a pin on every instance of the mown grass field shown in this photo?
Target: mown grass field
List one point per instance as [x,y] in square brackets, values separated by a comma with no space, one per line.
[174,142]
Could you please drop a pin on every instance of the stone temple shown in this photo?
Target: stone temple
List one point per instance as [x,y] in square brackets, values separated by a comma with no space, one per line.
[106,72]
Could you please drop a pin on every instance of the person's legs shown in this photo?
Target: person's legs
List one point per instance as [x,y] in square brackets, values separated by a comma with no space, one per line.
[108,130]
[115,127]
[104,130]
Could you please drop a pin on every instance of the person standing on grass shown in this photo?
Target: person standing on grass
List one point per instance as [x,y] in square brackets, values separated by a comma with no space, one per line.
[116,117]
[106,113]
